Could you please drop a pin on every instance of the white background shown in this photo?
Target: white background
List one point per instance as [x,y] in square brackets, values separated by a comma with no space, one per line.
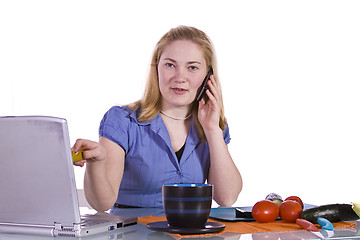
[290,73]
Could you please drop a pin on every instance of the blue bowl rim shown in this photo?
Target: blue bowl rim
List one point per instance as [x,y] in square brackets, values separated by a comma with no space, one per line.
[187,185]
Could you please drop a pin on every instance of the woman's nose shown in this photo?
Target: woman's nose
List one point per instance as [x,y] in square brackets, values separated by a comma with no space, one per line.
[180,75]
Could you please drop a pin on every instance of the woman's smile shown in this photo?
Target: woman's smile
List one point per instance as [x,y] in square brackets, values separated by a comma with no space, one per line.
[179,91]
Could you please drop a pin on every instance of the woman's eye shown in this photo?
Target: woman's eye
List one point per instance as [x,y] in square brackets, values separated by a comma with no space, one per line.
[193,68]
[169,65]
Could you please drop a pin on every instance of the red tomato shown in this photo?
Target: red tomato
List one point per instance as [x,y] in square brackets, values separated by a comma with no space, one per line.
[296,199]
[290,211]
[265,211]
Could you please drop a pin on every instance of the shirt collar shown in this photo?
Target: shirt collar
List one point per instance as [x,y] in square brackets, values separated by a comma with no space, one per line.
[133,116]
[193,137]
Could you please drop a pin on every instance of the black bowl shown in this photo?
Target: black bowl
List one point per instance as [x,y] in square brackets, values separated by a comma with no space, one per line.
[187,205]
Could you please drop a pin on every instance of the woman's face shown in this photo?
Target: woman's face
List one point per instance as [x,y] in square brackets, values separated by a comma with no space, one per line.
[182,68]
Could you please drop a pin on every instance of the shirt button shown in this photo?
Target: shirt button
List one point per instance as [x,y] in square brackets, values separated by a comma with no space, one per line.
[178,172]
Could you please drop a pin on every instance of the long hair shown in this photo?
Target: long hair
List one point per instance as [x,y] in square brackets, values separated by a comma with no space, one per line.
[150,104]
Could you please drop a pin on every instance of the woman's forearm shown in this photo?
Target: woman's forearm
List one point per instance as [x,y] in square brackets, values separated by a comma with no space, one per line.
[223,173]
[98,190]
[102,178]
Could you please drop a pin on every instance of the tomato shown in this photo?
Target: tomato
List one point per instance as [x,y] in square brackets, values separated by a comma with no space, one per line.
[265,211]
[296,199]
[290,211]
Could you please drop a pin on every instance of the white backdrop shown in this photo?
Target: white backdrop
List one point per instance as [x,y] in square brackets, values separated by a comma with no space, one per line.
[290,73]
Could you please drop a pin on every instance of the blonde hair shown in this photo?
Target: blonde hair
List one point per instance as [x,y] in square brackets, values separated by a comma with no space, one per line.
[150,104]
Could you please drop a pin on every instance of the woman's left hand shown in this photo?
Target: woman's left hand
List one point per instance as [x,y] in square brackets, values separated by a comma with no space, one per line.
[209,111]
[223,173]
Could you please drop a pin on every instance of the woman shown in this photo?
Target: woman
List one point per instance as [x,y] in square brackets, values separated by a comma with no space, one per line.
[167,136]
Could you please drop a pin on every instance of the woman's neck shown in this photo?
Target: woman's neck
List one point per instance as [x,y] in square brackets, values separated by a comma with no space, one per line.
[181,113]
[176,118]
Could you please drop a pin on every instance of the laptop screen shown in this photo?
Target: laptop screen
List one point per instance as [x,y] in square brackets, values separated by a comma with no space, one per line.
[37,181]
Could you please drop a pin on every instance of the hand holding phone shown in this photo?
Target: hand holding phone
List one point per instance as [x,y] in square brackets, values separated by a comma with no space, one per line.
[204,86]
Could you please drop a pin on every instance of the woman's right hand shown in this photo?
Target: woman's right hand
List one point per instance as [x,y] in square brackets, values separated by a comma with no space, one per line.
[93,151]
[104,171]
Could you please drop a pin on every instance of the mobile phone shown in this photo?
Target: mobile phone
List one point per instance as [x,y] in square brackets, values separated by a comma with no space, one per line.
[204,86]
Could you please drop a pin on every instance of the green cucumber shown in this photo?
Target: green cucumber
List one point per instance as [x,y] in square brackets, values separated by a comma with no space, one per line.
[332,212]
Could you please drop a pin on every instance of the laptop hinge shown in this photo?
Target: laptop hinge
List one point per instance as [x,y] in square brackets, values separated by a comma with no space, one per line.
[62,231]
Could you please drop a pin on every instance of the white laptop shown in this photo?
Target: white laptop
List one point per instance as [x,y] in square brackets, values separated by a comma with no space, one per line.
[37,183]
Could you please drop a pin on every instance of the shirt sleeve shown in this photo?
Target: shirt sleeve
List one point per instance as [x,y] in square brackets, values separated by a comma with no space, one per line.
[226,135]
[114,126]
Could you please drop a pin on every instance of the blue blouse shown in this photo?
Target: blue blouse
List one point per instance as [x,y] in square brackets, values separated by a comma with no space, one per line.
[150,160]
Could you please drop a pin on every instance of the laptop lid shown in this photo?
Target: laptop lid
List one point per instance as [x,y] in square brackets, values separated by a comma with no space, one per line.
[37,182]
[37,185]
